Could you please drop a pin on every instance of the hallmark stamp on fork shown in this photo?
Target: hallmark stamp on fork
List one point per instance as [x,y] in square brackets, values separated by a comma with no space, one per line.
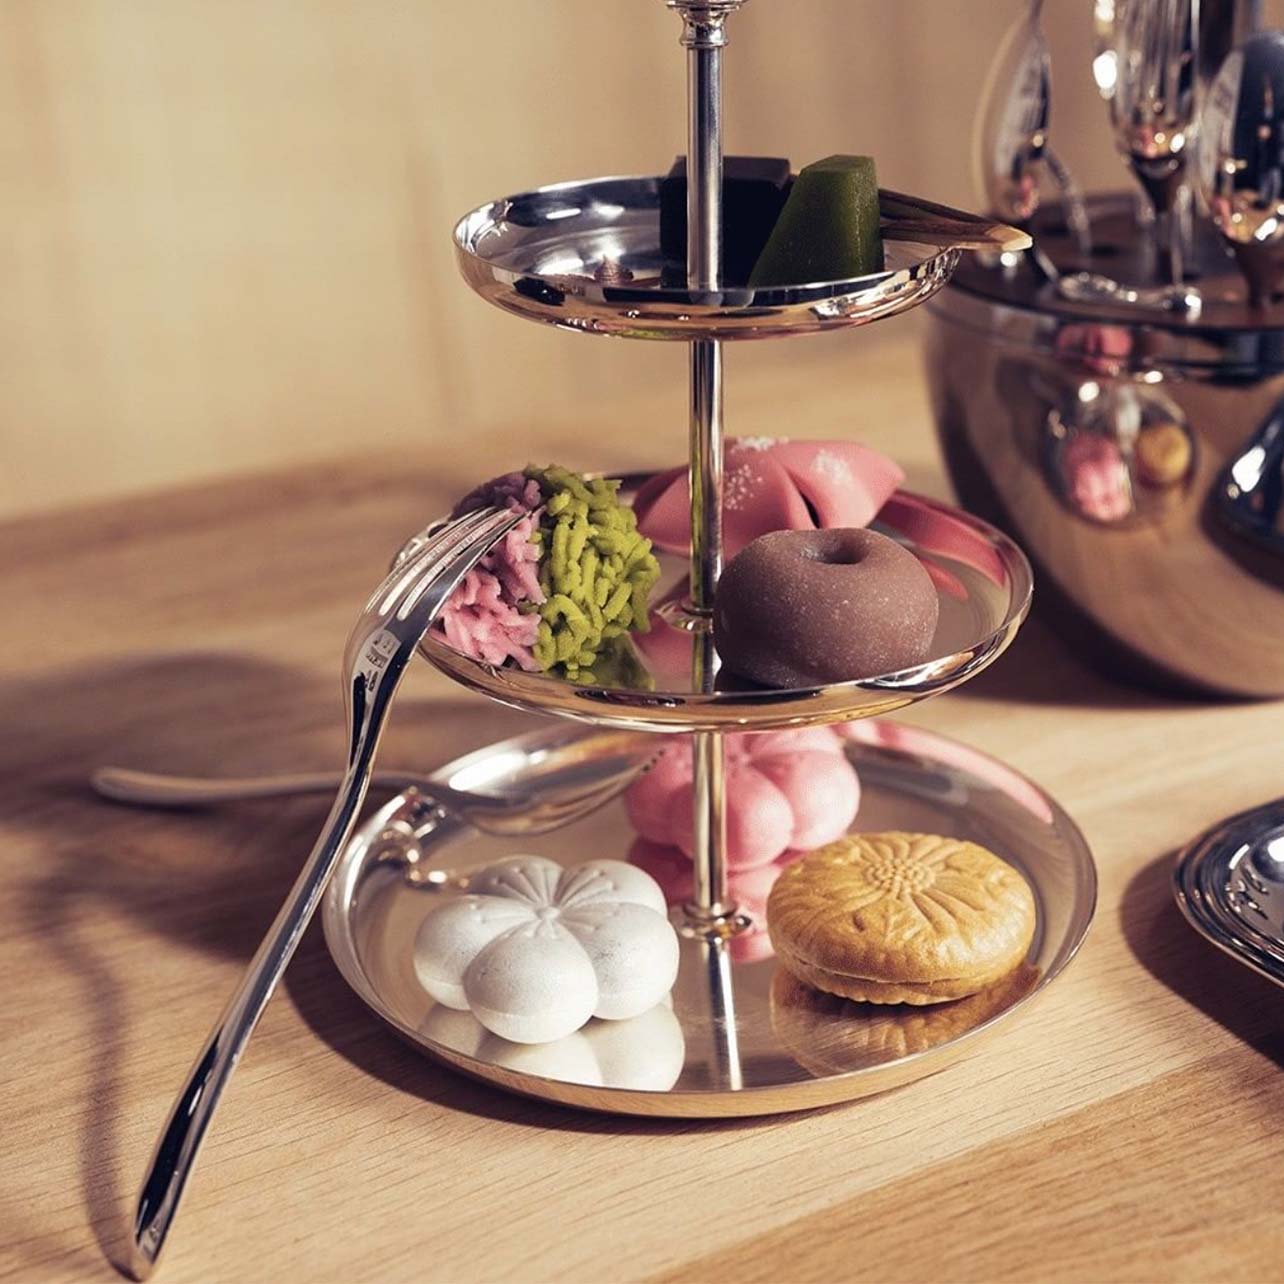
[379,650]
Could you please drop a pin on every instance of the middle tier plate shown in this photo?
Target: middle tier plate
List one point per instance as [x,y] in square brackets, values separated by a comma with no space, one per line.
[983,582]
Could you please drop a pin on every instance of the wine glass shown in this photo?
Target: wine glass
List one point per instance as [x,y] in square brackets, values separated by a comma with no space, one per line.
[1010,152]
[1011,138]
[1146,65]
[1240,159]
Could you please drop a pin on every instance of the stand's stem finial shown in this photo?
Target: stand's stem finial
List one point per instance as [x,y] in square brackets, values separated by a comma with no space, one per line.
[704,21]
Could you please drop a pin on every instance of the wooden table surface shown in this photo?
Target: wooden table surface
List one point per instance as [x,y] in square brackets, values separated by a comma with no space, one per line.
[1125,1127]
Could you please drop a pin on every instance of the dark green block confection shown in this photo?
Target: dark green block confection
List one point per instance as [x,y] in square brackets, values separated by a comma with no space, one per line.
[828,229]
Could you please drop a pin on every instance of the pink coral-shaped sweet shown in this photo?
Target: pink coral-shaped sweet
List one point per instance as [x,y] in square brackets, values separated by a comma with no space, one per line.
[511,490]
[484,617]
[785,789]
[770,485]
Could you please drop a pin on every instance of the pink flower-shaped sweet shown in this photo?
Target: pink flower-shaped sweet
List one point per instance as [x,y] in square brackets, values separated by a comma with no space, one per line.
[785,789]
[773,485]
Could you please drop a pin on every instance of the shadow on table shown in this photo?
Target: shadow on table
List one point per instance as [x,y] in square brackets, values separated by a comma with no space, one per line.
[1044,667]
[1227,992]
[209,877]
[210,880]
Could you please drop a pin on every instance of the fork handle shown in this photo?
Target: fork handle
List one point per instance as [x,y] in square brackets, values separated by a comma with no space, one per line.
[179,1141]
[379,647]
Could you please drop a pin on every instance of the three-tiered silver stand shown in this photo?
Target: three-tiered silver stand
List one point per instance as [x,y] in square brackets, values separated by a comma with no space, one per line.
[739,1036]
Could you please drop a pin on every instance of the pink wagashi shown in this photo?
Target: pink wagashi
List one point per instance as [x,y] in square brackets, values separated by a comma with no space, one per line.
[785,790]
[482,617]
[772,485]
[748,888]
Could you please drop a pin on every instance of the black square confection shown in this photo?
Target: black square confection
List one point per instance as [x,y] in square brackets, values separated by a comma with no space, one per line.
[753,191]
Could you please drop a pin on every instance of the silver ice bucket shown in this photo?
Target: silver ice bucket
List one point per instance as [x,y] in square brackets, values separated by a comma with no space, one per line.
[1136,452]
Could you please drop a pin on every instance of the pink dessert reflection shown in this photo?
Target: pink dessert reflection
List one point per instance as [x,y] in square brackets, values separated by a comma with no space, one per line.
[749,888]
[1094,476]
[1101,349]
[895,735]
[933,530]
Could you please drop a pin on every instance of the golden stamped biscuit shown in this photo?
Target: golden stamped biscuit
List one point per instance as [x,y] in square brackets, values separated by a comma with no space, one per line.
[900,918]
[832,1035]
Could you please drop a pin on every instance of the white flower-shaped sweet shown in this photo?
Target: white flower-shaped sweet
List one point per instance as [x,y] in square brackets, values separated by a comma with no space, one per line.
[535,950]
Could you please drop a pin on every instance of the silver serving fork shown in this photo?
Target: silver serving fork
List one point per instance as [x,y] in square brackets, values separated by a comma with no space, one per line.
[384,639]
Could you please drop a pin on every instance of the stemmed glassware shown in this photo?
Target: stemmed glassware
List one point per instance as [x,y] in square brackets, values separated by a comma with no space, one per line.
[1012,124]
[1146,63]
[1241,160]
[1010,150]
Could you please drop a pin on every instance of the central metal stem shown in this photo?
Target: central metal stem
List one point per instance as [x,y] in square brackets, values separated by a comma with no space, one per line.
[704,37]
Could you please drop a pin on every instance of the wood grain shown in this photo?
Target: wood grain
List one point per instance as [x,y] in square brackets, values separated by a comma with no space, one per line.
[1121,1129]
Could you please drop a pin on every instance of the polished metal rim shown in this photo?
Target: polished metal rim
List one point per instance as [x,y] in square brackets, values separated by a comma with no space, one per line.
[1029,327]
[968,642]
[740,1037]
[585,256]
[1014,304]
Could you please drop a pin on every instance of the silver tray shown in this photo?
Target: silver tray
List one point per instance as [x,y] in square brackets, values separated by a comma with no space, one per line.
[586,256]
[989,581]
[1227,884]
[740,1038]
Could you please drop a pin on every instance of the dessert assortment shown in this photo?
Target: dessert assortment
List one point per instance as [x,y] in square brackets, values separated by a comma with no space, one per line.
[536,956]
[822,225]
[810,596]
[813,592]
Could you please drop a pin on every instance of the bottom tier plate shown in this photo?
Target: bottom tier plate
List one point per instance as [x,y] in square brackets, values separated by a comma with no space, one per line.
[739,1037]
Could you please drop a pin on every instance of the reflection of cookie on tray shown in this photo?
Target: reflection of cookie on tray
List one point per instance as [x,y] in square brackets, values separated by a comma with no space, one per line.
[831,1035]
[901,918]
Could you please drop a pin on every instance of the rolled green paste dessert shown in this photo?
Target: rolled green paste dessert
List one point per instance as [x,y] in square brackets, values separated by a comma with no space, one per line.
[564,588]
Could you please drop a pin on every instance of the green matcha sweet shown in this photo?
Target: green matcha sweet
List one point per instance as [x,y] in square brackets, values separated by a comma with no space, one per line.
[828,229]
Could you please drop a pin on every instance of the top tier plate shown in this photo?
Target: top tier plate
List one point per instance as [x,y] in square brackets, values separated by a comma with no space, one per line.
[586,256]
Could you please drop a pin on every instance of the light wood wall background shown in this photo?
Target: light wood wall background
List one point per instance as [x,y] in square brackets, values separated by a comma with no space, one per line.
[224,224]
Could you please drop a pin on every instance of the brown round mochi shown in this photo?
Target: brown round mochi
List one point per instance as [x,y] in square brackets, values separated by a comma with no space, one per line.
[803,608]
